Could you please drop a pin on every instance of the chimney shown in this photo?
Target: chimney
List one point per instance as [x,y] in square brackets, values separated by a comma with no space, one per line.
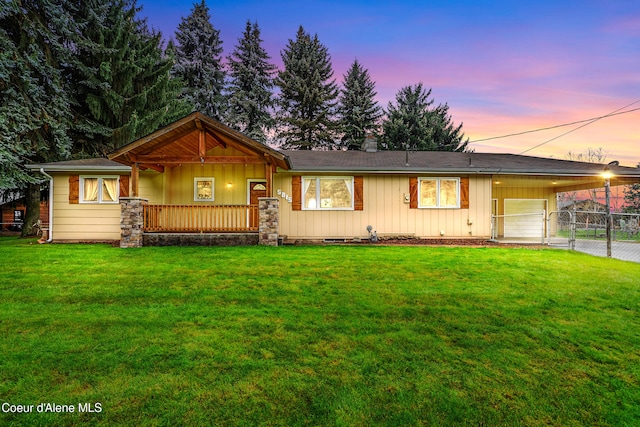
[370,144]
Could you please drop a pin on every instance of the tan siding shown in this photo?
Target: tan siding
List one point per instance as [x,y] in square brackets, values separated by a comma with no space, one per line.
[151,187]
[180,189]
[386,211]
[82,221]
[502,193]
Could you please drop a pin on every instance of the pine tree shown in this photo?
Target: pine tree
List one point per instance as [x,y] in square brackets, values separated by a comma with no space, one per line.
[412,124]
[34,106]
[358,111]
[308,94]
[199,63]
[119,78]
[251,86]
[444,133]
[632,198]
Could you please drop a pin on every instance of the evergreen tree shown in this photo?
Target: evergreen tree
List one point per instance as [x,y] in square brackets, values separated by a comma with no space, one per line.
[34,106]
[308,95]
[251,84]
[358,111]
[412,124]
[444,133]
[199,63]
[119,79]
[632,198]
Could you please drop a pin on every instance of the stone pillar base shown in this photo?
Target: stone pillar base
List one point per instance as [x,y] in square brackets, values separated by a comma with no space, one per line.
[268,228]
[131,221]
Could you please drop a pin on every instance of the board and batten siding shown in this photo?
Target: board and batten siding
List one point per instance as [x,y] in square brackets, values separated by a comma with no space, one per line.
[387,210]
[82,221]
[502,193]
[175,185]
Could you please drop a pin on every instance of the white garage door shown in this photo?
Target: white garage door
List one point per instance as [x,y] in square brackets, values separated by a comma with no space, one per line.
[528,219]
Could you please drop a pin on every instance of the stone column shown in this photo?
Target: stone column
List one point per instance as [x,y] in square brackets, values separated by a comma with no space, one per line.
[268,228]
[131,221]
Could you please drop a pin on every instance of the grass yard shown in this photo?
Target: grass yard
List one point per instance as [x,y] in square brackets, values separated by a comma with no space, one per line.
[326,336]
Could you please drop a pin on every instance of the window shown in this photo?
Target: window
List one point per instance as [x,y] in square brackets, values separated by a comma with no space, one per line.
[99,189]
[438,192]
[330,193]
[203,189]
[18,216]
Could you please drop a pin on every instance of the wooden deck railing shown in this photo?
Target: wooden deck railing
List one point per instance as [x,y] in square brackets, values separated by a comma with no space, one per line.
[200,219]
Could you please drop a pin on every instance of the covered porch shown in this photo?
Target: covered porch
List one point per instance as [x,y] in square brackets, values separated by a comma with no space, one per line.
[198,176]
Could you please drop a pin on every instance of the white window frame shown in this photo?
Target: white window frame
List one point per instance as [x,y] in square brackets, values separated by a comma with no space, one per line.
[437,205]
[195,189]
[100,198]
[319,202]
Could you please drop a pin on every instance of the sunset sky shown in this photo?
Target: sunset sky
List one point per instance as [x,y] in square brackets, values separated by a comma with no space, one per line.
[503,67]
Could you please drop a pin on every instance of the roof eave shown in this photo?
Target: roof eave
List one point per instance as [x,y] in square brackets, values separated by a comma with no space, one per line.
[67,168]
[461,171]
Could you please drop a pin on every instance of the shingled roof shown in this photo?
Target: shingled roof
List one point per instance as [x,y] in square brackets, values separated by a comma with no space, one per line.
[99,164]
[444,162]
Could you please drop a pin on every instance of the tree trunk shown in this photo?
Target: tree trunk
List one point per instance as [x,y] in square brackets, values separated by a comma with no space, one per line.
[32,204]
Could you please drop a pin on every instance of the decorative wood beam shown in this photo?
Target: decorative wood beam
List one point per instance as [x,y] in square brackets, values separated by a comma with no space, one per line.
[158,159]
[157,168]
[155,135]
[216,139]
[202,147]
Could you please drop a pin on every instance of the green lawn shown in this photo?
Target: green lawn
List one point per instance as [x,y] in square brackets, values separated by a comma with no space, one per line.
[318,335]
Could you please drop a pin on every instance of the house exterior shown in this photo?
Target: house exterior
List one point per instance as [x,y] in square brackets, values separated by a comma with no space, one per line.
[13,213]
[199,178]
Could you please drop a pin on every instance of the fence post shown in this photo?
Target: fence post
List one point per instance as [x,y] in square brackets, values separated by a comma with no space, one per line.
[544,222]
[572,230]
[607,191]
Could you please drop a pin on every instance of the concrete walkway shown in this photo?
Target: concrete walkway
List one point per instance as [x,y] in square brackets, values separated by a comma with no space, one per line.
[625,251]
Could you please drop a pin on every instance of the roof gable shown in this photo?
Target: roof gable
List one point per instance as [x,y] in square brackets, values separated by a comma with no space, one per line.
[191,140]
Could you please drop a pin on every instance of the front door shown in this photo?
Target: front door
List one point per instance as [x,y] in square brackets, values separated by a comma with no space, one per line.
[256,189]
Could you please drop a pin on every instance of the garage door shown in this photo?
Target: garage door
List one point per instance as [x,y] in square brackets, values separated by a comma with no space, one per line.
[524,218]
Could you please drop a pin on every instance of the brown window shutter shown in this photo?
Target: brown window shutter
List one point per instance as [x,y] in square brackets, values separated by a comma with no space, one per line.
[74,189]
[296,193]
[124,185]
[358,201]
[413,192]
[464,193]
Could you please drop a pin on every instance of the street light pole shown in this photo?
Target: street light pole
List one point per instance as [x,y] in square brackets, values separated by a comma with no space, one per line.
[607,194]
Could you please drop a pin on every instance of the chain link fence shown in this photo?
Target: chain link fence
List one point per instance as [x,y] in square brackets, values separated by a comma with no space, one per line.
[520,228]
[586,231]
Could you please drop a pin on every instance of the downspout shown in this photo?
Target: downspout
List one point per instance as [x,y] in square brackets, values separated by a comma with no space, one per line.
[50,236]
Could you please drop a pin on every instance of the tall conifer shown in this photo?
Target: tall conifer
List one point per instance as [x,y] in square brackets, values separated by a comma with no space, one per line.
[199,63]
[412,124]
[119,79]
[358,111]
[34,105]
[308,94]
[251,85]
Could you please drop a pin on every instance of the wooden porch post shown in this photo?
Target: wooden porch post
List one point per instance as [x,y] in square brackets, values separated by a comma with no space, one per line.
[135,175]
